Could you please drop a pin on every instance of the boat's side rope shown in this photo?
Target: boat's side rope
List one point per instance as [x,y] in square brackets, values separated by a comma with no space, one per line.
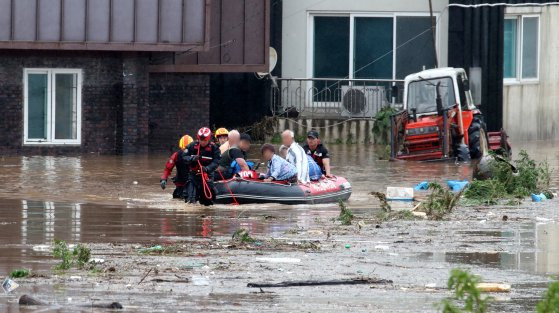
[227,185]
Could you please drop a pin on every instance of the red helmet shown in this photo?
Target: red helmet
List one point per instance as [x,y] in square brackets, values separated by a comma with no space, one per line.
[204,133]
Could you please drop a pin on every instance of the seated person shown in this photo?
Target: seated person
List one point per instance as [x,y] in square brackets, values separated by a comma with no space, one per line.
[234,159]
[318,152]
[315,172]
[278,168]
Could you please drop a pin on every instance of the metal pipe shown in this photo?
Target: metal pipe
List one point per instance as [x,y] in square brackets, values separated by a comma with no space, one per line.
[433,29]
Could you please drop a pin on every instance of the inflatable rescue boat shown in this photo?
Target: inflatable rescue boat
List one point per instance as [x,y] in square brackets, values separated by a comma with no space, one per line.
[246,189]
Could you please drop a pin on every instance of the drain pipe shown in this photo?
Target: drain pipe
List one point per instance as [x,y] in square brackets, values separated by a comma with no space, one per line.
[433,32]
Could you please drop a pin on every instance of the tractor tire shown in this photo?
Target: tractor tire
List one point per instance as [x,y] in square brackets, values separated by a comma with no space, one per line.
[474,133]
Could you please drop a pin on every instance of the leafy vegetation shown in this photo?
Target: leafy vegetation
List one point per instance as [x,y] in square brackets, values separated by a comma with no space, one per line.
[550,302]
[464,285]
[530,177]
[486,191]
[243,236]
[79,256]
[19,273]
[346,216]
[440,202]
[382,126]
[383,202]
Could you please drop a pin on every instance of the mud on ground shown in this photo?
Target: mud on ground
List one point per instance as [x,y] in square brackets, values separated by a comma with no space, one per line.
[197,274]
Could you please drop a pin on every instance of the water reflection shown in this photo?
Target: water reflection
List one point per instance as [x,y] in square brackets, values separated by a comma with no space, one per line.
[532,249]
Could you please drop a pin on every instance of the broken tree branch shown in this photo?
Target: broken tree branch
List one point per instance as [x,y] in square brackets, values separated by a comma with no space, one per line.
[298,283]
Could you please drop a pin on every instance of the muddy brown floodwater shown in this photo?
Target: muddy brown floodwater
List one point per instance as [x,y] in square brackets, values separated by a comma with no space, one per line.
[114,205]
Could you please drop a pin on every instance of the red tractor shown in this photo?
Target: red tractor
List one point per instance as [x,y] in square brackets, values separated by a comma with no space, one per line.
[439,120]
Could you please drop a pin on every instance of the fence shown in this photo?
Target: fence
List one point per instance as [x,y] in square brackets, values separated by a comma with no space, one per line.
[334,98]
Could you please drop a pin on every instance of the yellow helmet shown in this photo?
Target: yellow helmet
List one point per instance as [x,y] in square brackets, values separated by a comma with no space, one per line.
[221,132]
[185,141]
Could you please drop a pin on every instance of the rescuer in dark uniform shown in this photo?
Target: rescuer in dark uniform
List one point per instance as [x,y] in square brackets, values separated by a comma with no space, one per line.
[202,156]
[318,152]
[177,161]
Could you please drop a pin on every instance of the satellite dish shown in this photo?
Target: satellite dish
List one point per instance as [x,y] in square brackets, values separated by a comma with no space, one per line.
[273,62]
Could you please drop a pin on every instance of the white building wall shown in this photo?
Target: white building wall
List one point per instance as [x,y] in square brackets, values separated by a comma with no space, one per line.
[295,46]
[531,109]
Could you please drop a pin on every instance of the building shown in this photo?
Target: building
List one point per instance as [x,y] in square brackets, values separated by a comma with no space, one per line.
[502,47]
[105,76]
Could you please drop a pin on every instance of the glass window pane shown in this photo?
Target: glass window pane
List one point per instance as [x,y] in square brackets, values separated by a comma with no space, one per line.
[509,62]
[331,46]
[37,106]
[373,45]
[331,56]
[530,47]
[414,40]
[66,106]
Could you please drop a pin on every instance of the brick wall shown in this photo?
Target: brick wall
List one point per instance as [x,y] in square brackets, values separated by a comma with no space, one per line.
[101,93]
[179,105]
[124,109]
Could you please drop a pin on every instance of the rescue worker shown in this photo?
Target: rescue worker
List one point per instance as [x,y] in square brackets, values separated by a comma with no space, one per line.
[222,136]
[234,156]
[175,160]
[296,156]
[318,152]
[202,156]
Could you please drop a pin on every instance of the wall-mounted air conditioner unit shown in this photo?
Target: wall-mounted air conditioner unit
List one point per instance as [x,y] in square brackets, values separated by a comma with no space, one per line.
[362,101]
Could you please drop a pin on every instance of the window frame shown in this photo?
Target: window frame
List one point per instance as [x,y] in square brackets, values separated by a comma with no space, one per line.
[518,79]
[394,15]
[51,107]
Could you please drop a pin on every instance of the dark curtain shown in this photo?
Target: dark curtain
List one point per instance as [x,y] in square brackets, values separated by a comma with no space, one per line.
[476,40]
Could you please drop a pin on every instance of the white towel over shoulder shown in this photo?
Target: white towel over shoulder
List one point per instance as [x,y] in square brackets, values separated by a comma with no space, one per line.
[296,155]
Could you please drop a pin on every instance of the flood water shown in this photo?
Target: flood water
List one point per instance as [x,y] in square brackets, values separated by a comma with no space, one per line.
[117,199]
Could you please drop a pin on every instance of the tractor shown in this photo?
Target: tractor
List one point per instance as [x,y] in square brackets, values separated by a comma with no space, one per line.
[439,120]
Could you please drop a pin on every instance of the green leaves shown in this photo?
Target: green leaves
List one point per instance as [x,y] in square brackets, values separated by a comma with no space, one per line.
[79,256]
[550,303]
[464,285]
[382,126]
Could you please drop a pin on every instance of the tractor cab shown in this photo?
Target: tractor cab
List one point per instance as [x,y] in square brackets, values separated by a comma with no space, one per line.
[439,119]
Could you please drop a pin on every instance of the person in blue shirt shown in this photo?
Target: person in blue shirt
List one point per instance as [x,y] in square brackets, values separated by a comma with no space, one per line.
[278,168]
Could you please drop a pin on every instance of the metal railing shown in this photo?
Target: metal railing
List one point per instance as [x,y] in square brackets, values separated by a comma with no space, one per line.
[334,98]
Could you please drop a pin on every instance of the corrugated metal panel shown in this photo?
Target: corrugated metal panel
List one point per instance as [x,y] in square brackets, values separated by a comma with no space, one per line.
[140,25]
[239,41]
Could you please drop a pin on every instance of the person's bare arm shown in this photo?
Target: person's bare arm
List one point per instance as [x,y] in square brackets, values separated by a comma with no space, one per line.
[243,164]
[326,163]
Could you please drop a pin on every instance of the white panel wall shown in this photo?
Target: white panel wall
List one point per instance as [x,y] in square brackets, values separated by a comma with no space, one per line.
[295,26]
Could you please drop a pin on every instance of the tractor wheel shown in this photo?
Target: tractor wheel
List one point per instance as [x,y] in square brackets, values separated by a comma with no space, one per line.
[474,135]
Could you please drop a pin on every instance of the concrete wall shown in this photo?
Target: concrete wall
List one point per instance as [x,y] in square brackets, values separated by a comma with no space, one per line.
[295,26]
[331,130]
[530,109]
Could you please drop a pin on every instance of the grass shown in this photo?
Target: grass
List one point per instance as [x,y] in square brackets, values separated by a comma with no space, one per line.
[346,216]
[79,256]
[383,202]
[243,236]
[19,273]
[464,285]
[550,302]
[486,191]
[440,202]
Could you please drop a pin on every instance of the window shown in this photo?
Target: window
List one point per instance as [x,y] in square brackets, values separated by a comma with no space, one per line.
[371,46]
[52,103]
[521,48]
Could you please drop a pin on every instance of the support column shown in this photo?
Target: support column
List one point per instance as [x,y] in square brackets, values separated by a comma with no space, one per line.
[135,104]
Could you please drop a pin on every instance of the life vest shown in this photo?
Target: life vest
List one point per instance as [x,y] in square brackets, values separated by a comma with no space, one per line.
[235,168]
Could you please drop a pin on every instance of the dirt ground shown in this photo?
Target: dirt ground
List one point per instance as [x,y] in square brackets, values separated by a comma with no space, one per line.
[195,274]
